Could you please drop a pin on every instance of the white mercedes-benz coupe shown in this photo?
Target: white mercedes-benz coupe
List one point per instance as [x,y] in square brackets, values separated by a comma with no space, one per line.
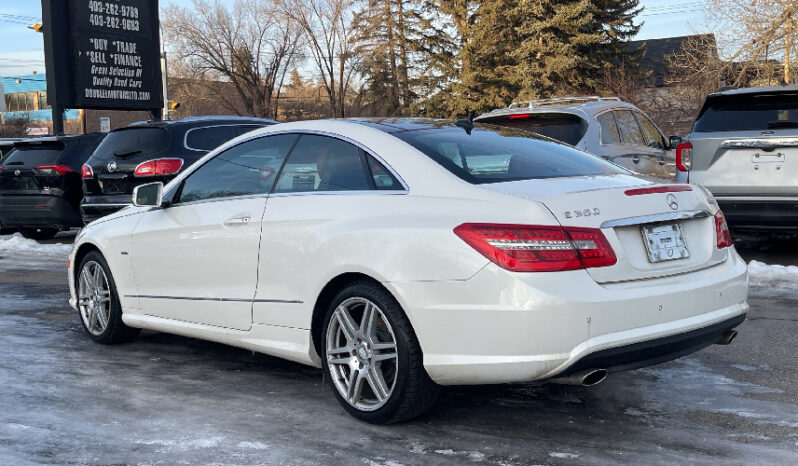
[404,254]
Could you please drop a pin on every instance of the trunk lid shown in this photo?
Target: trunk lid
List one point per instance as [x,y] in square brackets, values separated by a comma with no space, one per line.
[602,202]
[749,163]
[116,158]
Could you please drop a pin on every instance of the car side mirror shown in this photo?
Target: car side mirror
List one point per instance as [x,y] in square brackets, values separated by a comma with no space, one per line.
[148,195]
[674,141]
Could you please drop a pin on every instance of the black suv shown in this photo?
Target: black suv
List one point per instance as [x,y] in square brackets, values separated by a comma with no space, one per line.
[40,187]
[152,151]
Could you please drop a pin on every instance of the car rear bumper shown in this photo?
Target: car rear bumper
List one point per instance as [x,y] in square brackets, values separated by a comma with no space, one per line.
[94,207]
[522,327]
[37,211]
[774,214]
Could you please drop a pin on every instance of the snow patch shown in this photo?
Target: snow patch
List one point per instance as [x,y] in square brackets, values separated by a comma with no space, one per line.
[772,275]
[17,243]
[476,456]
[447,452]
[253,445]
[562,455]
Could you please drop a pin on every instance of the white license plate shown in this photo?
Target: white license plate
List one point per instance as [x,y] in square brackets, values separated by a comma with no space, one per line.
[665,243]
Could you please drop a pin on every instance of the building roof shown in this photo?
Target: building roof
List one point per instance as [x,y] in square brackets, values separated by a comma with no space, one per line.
[27,83]
[655,57]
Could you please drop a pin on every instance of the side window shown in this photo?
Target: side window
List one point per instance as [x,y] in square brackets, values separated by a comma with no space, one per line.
[653,136]
[246,128]
[208,139]
[630,131]
[321,163]
[383,179]
[248,168]
[609,128]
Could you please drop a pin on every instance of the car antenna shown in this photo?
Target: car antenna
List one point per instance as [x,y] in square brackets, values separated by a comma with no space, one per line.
[466,123]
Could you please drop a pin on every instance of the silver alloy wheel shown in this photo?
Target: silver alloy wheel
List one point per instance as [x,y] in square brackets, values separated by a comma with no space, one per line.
[362,356]
[94,298]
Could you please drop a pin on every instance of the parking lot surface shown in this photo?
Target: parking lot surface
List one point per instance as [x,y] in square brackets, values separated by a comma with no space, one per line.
[171,400]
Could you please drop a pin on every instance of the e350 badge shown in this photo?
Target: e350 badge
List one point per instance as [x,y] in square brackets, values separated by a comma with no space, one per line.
[582,213]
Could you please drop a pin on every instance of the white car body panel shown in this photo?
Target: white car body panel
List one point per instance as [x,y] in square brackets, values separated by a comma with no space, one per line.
[476,322]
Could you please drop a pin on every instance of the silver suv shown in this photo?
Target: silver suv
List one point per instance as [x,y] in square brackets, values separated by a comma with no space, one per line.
[605,126]
[744,148]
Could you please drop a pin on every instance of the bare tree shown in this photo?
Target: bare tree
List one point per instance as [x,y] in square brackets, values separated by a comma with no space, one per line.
[15,127]
[250,45]
[327,26]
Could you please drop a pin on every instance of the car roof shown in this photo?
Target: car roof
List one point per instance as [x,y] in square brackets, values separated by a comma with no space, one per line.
[394,124]
[584,105]
[61,138]
[198,120]
[786,88]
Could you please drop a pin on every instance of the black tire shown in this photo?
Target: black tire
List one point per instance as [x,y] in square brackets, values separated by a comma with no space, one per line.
[414,392]
[116,331]
[39,233]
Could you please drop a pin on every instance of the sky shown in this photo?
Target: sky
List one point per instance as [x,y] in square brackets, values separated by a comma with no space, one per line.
[21,49]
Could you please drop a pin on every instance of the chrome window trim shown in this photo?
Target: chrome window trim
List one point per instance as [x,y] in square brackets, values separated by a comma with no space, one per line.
[656,218]
[107,205]
[194,149]
[193,168]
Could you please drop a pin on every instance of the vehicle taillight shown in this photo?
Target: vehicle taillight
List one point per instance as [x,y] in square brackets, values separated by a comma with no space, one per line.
[538,248]
[158,167]
[60,170]
[519,116]
[86,172]
[722,231]
[684,156]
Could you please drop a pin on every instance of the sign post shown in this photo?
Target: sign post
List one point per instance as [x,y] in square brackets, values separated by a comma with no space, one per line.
[102,54]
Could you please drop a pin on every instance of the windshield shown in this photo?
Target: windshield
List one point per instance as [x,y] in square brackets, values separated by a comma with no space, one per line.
[492,154]
[560,126]
[748,112]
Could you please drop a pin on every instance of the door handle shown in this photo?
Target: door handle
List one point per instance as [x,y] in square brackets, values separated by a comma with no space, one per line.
[237,221]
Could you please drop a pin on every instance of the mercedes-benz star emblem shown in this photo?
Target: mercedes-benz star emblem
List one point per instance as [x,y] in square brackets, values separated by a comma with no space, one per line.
[111,166]
[17,172]
[672,203]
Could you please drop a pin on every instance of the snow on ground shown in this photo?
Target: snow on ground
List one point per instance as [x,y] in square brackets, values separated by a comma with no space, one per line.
[17,243]
[776,276]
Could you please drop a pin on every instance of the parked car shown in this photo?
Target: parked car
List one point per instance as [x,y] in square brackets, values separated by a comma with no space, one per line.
[373,249]
[40,186]
[605,126]
[152,151]
[743,147]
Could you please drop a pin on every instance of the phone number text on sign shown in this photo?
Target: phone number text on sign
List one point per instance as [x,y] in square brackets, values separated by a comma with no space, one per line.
[113,9]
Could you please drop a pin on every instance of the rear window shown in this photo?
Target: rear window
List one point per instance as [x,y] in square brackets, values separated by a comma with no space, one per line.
[491,154]
[129,142]
[560,126]
[748,112]
[34,155]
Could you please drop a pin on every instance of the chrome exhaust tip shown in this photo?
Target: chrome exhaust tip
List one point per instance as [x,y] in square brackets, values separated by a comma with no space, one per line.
[585,378]
[728,337]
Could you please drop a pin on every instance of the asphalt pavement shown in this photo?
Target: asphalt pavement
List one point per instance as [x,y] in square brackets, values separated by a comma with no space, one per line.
[166,399]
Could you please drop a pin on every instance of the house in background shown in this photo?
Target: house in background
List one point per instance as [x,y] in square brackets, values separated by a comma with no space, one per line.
[672,104]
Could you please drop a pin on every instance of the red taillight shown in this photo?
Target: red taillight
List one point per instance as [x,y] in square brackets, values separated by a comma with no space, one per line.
[519,116]
[86,172]
[60,170]
[159,167]
[536,248]
[684,156]
[722,231]
[658,189]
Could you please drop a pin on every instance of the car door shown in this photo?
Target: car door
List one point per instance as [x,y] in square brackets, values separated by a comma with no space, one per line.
[196,260]
[634,146]
[324,185]
[657,146]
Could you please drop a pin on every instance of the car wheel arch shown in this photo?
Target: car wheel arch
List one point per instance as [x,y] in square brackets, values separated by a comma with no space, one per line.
[327,294]
[83,250]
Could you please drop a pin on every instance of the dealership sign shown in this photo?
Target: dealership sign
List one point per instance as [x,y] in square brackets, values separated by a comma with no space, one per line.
[103,54]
